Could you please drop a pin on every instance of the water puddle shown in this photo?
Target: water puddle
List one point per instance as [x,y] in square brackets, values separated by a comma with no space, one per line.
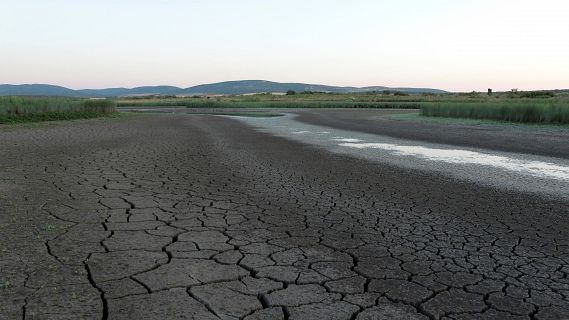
[342,139]
[536,168]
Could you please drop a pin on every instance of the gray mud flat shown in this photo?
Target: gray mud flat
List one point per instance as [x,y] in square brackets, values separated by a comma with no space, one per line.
[202,217]
[548,176]
[550,141]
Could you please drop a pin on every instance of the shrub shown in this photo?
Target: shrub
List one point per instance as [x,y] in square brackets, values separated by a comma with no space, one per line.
[537,94]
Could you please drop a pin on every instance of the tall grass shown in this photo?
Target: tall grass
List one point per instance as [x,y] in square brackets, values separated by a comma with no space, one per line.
[26,109]
[522,111]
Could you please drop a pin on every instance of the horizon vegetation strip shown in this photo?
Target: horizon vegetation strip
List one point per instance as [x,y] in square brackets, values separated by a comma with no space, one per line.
[274,104]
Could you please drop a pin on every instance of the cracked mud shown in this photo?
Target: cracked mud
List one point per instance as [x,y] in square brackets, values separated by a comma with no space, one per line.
[200,217]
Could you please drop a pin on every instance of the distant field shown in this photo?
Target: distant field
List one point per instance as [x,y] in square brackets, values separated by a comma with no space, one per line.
[299,100]
[34,109]
[268,101]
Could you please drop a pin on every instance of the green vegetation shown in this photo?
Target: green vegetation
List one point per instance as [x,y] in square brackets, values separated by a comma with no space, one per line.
[522,111]
[35,109]
[547,107]
[297,100]
[301,104]
[537,94]
[6,285]
[521,107]
[417,117]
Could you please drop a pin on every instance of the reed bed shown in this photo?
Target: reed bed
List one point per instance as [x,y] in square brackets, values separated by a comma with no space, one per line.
[522,111]
[32,109]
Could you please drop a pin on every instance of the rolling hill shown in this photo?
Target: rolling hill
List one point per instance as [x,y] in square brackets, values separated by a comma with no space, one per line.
[224,88]
[35,90]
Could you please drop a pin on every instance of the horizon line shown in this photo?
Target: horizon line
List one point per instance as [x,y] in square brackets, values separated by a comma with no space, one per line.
[295,82]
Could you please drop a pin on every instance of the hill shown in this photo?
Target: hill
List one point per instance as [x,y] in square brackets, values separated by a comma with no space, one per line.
[259,86]
[138,91]
[223,88]
[35,90]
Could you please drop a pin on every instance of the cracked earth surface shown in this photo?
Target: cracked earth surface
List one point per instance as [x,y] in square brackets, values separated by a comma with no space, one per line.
[200,217]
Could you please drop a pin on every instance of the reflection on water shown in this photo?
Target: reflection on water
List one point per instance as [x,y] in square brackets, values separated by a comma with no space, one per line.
[341,139]
[536,168]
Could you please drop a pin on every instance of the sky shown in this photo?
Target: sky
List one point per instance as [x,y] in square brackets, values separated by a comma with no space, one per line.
[453,45]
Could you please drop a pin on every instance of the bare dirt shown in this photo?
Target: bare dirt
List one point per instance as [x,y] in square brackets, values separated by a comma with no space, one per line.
[201,217]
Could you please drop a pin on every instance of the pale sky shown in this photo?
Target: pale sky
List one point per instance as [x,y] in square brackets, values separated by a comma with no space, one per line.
[454,45]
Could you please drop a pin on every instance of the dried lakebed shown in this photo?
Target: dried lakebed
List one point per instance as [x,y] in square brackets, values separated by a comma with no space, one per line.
[202,217]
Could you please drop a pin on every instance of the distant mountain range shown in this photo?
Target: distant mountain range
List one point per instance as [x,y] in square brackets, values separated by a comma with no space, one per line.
[222,88]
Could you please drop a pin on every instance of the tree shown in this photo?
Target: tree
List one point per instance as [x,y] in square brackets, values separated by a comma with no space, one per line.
[290,93]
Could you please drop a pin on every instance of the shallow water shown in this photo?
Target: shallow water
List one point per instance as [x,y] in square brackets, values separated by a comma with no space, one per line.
[340,139]
[458,156]
[502,170]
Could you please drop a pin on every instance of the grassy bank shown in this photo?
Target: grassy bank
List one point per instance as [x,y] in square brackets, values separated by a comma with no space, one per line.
[35,109]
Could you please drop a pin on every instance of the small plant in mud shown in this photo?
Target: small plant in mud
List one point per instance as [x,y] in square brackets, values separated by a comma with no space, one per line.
[50,227]
[6,285]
